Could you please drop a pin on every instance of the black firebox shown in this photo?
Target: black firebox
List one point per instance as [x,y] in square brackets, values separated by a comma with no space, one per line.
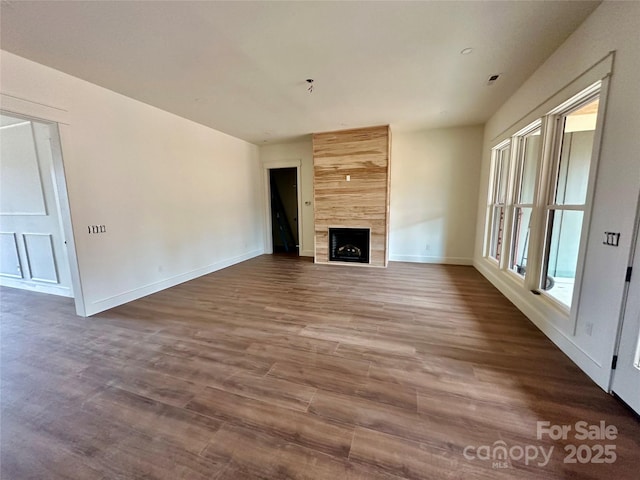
[349,245]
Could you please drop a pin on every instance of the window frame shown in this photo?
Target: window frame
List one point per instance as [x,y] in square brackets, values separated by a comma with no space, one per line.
[499,161]
[556,122]
[519,140]
[546,173]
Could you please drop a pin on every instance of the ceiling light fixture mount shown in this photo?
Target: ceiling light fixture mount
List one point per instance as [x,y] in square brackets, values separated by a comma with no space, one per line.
[310,82]
[466,51]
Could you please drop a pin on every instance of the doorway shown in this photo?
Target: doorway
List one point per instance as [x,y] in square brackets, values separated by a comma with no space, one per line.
[626,375]
[283,187]
[36,242]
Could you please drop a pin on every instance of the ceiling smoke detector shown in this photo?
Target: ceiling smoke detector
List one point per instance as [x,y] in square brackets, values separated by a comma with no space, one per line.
[493,78]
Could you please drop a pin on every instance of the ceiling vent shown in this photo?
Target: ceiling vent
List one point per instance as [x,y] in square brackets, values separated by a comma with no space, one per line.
[493,79]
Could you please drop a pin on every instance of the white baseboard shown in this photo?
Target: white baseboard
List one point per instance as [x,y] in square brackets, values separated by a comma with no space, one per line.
[534,311]
[52,289]
[125,297]
[431,259]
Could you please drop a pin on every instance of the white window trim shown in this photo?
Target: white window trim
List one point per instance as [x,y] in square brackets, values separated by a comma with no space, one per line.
[603,89]
[600,71]
[546,122]
[553,136]
[491,201]
[517,146]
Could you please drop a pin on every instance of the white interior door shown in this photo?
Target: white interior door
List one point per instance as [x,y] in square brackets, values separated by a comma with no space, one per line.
[33,255]
[626,377]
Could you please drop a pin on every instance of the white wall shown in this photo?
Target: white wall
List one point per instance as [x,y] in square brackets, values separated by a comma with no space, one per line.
[298,151]
[178,199]
[612,26]
[434,190]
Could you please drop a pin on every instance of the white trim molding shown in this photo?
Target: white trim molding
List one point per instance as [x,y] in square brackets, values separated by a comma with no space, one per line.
[269,165]
[130,295]
[431,259]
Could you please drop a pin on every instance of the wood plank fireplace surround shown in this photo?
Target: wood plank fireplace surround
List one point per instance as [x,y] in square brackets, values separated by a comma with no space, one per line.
[351,196]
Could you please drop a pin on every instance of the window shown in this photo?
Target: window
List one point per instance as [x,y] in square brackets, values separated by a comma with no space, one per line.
[497,199]
[565,208]
[527,147]
[538,196]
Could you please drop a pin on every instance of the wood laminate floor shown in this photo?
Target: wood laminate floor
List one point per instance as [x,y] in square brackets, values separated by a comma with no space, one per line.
[277,368]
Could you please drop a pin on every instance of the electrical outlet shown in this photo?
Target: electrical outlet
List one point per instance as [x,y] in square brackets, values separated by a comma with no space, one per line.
[427,247]
[588,328]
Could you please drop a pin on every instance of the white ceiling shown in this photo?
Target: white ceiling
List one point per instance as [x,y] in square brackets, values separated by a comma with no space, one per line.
[240,67]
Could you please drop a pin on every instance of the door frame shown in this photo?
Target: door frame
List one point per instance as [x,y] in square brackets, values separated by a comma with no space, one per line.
[634,257]
[60,184]
[273,165]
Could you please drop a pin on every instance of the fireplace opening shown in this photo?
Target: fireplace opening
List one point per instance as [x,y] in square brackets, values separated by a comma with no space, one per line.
[349,245]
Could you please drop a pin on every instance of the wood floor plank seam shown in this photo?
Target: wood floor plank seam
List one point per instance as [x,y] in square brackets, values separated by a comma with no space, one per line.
[277,368]
[311,400]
